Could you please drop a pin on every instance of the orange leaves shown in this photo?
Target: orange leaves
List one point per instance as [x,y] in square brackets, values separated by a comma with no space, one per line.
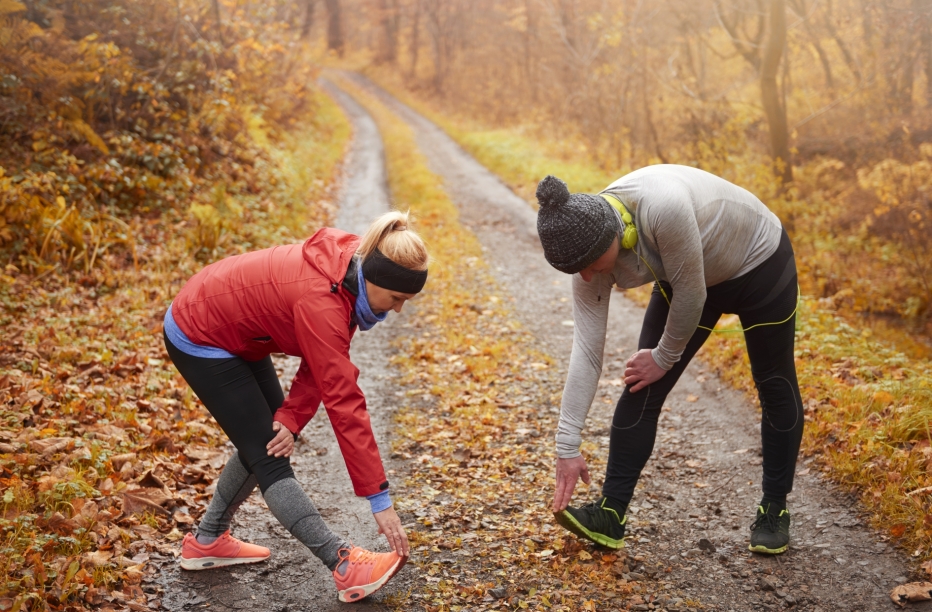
[151,495]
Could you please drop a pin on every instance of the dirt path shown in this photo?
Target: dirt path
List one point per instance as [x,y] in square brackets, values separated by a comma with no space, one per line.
[293,579]
[703,481]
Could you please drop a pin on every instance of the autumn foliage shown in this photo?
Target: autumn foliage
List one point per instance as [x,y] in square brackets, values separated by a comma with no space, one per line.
[138,141]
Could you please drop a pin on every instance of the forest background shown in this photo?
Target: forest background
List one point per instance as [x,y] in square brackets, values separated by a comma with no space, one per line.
[141,140]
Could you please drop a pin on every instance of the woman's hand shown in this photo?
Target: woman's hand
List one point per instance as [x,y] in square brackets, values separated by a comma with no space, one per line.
[568,472]
[390,525]
[641,370]
[282,445]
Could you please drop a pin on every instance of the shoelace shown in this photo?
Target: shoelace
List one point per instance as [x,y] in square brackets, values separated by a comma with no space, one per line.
[366,556]
[772,521]
[601,519]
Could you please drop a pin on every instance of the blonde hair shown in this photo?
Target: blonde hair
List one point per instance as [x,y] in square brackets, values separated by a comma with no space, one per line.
[391,235]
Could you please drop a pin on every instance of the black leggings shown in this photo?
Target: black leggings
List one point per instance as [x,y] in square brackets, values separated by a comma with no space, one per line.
[766,294]
[242,396]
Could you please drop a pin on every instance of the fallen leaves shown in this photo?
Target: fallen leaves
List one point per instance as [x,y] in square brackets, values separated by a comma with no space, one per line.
[911,592]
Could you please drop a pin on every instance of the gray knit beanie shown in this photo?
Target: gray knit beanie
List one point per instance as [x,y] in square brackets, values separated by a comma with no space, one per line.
[574,230]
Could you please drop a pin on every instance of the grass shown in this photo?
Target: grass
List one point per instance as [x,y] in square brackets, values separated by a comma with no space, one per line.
[867,386]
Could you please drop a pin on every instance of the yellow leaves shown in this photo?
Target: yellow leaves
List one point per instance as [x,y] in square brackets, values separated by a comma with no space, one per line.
[209,226]
[882,398]
[82,129]
[584,556]
[11,6]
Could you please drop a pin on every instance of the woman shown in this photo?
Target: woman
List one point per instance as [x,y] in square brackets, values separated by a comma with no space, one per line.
[710,247]
[305,300]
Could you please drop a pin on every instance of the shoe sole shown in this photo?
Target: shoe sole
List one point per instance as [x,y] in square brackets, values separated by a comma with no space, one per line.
[202,563]
[568,522]
[769,551]
[358,593]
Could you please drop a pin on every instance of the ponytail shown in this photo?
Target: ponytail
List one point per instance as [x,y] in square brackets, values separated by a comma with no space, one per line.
[392,237]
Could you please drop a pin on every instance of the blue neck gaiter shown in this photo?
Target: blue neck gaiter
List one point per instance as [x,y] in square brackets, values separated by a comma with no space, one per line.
[365,318]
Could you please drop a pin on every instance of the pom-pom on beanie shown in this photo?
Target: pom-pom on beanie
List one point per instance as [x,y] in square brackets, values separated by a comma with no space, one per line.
[574,229]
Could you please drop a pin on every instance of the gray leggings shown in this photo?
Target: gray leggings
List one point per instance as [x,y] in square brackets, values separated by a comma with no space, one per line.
[242,397]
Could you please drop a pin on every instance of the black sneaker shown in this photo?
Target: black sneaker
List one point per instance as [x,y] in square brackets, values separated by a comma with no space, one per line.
[595,521]
[770,533]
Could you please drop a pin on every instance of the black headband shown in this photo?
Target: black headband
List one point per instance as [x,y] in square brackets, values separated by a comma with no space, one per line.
[385,273]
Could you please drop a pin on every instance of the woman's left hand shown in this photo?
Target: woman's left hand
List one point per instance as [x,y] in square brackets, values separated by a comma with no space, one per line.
[641,370]
[282,445]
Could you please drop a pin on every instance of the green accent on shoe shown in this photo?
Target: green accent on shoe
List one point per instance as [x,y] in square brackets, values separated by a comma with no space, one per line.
[595,522]
[770,533]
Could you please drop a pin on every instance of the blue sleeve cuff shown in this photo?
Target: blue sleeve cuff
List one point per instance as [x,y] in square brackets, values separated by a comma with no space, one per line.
[380,501]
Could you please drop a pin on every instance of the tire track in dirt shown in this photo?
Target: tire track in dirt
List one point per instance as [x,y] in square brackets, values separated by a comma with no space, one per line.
[703,481]
[294,579]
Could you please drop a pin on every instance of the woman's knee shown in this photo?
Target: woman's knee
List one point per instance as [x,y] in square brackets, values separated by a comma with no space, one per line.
[269,470]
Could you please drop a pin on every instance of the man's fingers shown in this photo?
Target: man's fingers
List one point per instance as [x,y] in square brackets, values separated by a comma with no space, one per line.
[558,498]
[564,493]
[585,475]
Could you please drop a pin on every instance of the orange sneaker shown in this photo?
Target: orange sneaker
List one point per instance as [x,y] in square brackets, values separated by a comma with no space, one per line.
[366,572]
[226,550]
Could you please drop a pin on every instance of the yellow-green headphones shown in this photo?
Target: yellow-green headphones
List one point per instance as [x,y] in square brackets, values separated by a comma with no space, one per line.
[629,237]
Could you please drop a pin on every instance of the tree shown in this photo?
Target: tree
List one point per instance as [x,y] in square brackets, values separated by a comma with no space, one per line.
[334,27]
[770,93]
[308,18]
[388,40]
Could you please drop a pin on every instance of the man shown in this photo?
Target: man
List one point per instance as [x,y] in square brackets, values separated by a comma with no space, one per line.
[710,247]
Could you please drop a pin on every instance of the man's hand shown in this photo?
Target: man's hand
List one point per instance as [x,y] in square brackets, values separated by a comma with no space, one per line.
[568,472]
[641,370]
[282,445]
[390,525]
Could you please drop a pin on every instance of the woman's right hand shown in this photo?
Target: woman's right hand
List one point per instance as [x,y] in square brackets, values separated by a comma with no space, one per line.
[390,525]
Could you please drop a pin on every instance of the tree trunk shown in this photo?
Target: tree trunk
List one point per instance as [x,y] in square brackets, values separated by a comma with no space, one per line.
[388,20]
[833,32]
[529,36]
[415,37]
[216,5]
[334,27]
[308,18]
[925,38]
[770,93]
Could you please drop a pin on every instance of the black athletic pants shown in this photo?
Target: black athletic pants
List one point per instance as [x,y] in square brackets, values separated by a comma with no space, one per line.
[766,294]
[242,396]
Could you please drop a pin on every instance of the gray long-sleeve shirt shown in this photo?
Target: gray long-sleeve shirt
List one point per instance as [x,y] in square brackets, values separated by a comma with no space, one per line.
[695,230]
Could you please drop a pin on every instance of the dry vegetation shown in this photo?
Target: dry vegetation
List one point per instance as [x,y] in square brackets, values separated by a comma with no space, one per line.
[138,141]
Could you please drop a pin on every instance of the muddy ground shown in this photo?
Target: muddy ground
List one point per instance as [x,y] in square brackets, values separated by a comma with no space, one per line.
[690,513]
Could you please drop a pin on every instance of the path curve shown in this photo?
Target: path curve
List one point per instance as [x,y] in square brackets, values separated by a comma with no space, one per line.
[293,579]
[703,481]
